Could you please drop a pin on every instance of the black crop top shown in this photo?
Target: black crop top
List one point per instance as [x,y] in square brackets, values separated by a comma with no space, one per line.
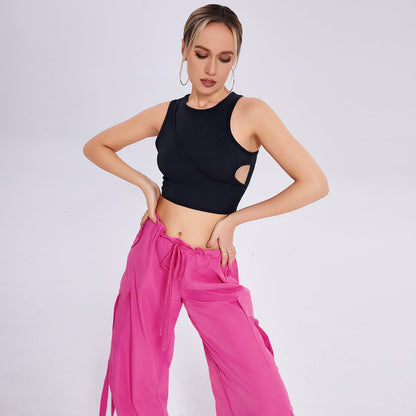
[198,156]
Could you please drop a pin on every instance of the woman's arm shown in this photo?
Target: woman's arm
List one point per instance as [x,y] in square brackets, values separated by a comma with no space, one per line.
[102,148]
[310,183]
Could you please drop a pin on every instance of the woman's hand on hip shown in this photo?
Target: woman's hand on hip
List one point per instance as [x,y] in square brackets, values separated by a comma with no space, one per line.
[224,232]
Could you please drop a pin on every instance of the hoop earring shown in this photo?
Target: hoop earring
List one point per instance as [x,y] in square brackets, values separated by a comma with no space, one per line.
[180,74]
[233,79]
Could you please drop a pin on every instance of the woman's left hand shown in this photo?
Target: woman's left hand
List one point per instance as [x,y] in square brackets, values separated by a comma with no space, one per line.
[223,232]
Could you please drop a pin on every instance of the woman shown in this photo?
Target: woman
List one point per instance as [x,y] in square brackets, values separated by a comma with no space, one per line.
[207,144]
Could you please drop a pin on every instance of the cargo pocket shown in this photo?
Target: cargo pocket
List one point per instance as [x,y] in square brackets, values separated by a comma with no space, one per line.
[259,334]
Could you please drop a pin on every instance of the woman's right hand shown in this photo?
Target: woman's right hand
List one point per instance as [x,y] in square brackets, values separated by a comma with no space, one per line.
[152,194]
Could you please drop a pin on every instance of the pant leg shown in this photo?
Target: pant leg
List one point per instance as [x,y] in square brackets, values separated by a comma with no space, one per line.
[138,365]
[244,376]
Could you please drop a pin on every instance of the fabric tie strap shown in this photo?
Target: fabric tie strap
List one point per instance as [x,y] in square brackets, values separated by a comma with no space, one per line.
[172,261]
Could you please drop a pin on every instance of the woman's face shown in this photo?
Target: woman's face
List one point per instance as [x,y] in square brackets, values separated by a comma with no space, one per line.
[212,57]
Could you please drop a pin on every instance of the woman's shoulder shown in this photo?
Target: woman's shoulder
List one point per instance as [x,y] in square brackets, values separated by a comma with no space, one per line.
[252,103]
[252,107]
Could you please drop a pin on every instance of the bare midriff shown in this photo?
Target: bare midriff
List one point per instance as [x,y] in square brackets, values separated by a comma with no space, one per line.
[192,226]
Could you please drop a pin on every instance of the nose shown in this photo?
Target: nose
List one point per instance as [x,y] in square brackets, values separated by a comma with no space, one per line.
[210,67]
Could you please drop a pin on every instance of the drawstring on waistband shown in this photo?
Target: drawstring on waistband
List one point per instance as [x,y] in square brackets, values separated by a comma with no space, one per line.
[172,261]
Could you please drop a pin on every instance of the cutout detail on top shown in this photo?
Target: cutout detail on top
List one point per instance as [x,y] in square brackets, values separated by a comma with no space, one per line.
[241,173]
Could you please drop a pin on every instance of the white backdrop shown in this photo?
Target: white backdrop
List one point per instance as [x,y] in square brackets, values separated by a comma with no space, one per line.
[332,283]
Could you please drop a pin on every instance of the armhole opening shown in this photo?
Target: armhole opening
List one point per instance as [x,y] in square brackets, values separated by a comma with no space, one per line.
[229,132]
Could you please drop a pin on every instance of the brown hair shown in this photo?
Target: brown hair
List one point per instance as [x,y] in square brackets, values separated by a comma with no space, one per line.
[200,17]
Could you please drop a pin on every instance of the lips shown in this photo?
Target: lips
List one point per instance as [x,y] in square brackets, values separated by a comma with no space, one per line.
[208,81]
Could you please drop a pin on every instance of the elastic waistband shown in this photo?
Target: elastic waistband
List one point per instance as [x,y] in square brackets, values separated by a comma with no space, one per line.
[176,240]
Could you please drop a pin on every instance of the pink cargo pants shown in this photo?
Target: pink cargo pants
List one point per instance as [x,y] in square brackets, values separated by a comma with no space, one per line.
[163,272]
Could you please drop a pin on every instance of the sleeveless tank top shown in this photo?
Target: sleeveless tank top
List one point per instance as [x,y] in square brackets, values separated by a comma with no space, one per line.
[198,156]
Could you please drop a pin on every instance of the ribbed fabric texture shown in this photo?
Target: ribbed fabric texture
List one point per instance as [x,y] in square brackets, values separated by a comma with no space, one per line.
[198,156]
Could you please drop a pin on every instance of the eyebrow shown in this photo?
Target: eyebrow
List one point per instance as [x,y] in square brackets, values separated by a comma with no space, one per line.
[203,47]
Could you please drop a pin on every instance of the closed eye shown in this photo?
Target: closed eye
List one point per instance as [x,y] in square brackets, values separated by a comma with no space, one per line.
[205,56]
